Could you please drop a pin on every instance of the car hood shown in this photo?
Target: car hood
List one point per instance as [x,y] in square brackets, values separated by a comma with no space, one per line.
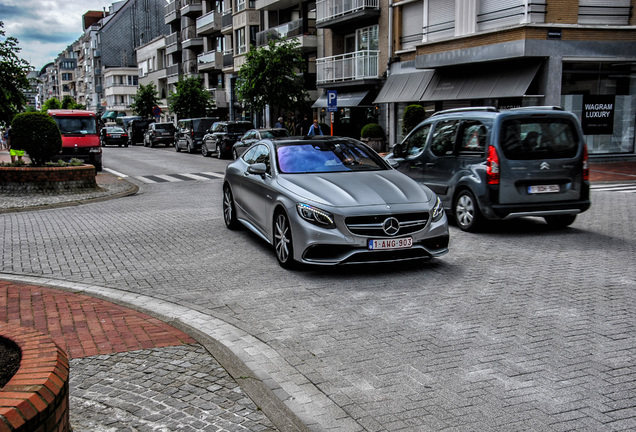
[356,188]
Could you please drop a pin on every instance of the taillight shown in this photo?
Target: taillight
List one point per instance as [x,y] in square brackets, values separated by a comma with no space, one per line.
[586,164]
[492,166]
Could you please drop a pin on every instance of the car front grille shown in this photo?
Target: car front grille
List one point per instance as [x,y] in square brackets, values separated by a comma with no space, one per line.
[373,226]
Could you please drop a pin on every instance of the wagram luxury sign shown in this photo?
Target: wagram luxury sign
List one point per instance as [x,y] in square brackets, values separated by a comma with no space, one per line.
[598,114]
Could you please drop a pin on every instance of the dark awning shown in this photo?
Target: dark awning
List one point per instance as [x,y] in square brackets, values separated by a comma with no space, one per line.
[498,81]
[406,87]
[343,99]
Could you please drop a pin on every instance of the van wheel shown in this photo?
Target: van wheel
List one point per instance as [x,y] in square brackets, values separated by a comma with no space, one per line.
[204,150]
[560,221]
[467,214]
[190,148]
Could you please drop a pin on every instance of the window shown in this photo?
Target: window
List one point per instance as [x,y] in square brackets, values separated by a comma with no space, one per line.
[367,38]
[240,5]
[67,77]
[527,139]
[444,138]
[241,47]
[412,23]
[473,137]
[416,141]
[441,20]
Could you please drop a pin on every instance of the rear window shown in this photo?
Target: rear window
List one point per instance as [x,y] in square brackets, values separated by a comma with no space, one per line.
[203,125]
[167,126]
[549,138]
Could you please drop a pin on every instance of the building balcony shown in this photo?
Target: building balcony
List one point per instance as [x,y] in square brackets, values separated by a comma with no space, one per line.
[209,61]
[341,13]
[226,22]
[345,68]
[292,29]
[172,43]
[191,8]
[190,40]
[228,61]
[172,12]
[173,72]
[275,4]
[209,24]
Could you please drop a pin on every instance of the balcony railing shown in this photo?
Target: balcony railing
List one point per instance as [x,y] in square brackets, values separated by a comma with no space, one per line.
[290,29]
[226,19]
[173,70]
[209,23]
[330,9]
[348,67]
[210,60]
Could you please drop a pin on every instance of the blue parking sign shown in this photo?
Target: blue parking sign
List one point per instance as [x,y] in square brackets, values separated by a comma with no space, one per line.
[332,100]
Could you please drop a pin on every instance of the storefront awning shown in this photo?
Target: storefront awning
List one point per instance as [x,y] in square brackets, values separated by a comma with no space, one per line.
[506,80]
[343,99]
[406,87]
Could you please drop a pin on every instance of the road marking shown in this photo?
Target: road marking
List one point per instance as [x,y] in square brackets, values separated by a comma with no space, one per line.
[625,188]
[115,173]
[172,178]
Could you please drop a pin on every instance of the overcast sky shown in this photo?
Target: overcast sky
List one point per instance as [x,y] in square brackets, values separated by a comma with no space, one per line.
[45,27]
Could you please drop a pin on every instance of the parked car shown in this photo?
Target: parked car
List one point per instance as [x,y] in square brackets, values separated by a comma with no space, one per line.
[190,132]
[487,164]
[159,133]
[332,200]
[223,136]
[254,135]
[113,135]
[136,130]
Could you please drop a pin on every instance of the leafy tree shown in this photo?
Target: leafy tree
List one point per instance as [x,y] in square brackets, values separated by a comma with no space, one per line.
[145,100]
[37,134]
[53,103]
[190,99]
[270,76]
[68,102]
[413,115]
[13,78]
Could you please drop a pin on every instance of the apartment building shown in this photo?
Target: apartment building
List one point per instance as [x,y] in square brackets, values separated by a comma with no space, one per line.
[151,64]
[509,53]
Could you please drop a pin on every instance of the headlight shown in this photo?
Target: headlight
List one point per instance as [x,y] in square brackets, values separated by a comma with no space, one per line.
[438,210]
[315,215]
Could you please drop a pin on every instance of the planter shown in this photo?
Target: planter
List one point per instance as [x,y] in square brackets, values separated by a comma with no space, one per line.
[20,180]
[36,397]
[376,144]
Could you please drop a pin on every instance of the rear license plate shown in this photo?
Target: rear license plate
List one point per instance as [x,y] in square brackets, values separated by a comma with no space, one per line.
[544,189]
[167,134]
[387,244]
[116,136]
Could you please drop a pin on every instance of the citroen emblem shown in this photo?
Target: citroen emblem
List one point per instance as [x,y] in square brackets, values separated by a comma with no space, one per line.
[544,166]
[391,226]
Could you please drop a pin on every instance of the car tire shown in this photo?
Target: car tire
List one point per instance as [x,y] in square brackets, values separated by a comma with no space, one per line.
[177,148]
[190,148]
[219,152]
[560,221]
[126,145]
[204,150]
[153,144]
[229,209]
[468,217]
[283,245]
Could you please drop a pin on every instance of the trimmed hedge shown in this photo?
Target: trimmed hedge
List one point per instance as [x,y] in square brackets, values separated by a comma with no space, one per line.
[38,135]
[413,115]
[372,130]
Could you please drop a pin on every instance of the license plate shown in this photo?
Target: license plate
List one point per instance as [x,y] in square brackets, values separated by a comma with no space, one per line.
[543,189]
[167,134]
[387,244]
[116,136]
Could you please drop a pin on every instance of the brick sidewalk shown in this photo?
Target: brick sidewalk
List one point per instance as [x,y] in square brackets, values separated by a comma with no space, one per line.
[84,326]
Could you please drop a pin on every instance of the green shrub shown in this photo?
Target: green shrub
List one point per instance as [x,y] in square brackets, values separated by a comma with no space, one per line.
[372,130]
[413,115]
[38,135]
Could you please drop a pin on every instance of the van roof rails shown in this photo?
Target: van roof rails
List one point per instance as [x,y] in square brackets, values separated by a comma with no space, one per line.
[539,107]
[466,109]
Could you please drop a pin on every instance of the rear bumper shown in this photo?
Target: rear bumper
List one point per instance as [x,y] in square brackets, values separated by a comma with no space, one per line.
[544,209]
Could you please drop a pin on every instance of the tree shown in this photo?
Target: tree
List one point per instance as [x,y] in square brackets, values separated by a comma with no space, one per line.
[53,103]
[13,78]
[190,98]
[37,134]
[413,115]
[145,100]
[271,76]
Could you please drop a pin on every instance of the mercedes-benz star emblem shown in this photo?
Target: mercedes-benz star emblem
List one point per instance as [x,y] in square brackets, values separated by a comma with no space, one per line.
[391,226]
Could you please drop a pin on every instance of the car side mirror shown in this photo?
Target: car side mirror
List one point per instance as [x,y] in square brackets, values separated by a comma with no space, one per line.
[398,150]
[257,169]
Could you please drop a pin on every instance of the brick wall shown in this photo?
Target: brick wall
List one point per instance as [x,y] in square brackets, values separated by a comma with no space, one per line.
[36,179]
[562,11]
[36,398]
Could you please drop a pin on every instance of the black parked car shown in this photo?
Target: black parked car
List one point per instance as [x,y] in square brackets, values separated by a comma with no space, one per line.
[190,132]
[223,136]
[113,135]
[254,135]
[159,133]
[136,130]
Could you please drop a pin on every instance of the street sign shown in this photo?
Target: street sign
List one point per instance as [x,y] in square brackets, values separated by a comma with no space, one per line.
[332,100]
[156,111]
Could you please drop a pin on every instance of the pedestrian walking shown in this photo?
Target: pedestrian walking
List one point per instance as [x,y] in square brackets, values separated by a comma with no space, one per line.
[315,129]
[279,123]
[14,152]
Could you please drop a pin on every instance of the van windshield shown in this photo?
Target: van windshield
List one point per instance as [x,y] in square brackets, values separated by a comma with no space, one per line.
[550,138]
[76,125]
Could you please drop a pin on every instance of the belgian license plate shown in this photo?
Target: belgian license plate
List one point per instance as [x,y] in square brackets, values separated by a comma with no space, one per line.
[387,244]
[539,189]
[167,134]
[116,136]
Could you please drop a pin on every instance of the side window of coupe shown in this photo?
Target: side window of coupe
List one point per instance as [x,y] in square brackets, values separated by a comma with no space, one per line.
[262,156]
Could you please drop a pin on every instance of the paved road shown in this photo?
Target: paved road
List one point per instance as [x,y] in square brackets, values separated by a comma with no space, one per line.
[520,328]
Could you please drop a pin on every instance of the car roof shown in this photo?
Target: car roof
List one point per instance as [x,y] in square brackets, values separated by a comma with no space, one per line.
[488,112]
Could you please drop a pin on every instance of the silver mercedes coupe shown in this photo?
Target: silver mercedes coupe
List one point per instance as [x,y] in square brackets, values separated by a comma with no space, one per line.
[332,200]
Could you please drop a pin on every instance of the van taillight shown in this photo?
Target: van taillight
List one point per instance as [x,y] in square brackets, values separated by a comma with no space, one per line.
[492,166]
[586,164]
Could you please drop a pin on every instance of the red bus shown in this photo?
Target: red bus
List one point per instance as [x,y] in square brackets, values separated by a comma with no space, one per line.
[80,137]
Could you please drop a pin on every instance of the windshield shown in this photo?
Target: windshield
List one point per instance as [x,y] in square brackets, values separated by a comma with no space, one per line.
[329,156]
[276,133]
[526,139]
[76,125]
[238,128]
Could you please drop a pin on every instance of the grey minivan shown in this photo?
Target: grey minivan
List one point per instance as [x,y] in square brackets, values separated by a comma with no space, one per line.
[487,164]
